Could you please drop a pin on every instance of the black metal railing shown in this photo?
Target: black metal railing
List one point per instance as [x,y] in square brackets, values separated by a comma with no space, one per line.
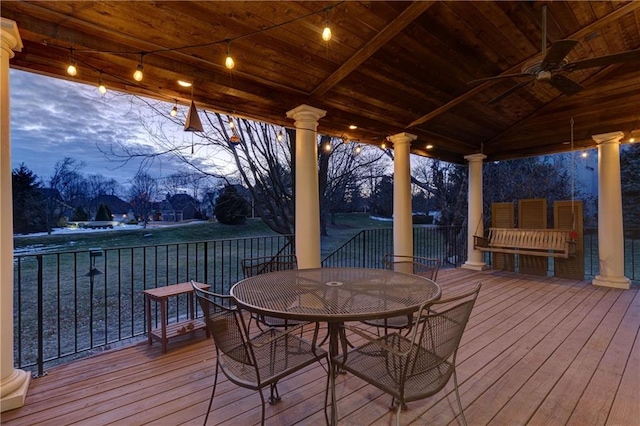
[366,249]
[69,304]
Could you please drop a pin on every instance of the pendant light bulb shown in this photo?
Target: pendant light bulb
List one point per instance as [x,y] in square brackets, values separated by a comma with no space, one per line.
[137,76]
[102,88]
[174,110]
[326,33]
[358,149]
[632,139]
[71,69]
[280,136]
[232,125]
[228,62]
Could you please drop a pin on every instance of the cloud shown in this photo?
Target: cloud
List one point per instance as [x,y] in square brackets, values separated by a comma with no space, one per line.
[53,118]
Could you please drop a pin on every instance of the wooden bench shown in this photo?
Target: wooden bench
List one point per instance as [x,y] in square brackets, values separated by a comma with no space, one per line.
[533,242]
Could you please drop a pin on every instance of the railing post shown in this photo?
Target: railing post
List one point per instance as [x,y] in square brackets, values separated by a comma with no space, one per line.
[40,360]
[364,248]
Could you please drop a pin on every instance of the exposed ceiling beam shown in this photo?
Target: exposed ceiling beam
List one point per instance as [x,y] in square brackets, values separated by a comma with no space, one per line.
[516,68]
[407,16]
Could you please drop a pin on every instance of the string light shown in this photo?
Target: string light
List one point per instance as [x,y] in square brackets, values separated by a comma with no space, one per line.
[326,33]
[585,154]
[71,69]
[174,110]
[102,88]
[228,62]
[137,75]
[327,146]
[280,135]
[232,125]
[383,145]
[358,149]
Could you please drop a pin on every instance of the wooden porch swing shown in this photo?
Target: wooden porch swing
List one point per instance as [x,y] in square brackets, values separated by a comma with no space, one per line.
[557,243]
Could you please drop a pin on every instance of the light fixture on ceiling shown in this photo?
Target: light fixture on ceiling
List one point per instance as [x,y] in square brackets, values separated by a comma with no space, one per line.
[102,89]
[184,83]
[137,75]
[429,146]
[174,110]
[193,123]
[353,127]
[228,62]
[326,32]
[71,69]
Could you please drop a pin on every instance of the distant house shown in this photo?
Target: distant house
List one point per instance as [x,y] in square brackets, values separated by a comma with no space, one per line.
[179,207]
[208,203]
[120,209]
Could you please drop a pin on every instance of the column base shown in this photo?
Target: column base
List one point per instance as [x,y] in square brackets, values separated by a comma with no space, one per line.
[613,282]
[475,266]
[16,387]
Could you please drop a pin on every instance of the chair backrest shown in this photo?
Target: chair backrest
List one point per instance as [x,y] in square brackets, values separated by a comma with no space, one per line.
[441,324]
[259,265]
[226,325]
[424,266]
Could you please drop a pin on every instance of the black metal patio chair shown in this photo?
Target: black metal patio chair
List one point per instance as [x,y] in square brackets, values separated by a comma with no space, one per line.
[423,266]
[415,367]
[253,362]
[259,265]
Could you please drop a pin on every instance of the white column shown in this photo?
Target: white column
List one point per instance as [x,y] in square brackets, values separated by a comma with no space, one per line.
[475,225]
[307,198]
[610,230]
[402,213]
[13,383]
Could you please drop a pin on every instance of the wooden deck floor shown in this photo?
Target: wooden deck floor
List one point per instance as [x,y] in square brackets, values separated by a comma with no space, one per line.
[537,351]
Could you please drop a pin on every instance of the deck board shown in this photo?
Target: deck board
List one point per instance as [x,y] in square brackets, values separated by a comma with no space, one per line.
[537,350]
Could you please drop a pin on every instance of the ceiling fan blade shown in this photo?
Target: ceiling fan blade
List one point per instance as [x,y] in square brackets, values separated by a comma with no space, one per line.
[601,61]
[482,80]
[556,53]
[565,84]
[508,92]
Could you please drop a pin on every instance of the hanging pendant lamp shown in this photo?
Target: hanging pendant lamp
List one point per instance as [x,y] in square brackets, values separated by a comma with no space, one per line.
[193,123]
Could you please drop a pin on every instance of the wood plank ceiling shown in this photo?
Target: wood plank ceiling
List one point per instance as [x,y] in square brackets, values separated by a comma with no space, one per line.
[390,67]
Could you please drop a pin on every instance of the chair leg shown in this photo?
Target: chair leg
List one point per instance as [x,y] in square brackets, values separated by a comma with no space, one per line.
[261,405]
[213,392]
[275,396]
[455,385]
[398,413]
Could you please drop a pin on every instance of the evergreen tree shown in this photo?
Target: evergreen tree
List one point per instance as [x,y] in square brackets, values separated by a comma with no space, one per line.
[104,213]
[79,214]
[231,208]
[28,212]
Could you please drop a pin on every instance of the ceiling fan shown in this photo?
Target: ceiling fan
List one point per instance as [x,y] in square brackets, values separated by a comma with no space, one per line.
[552,65]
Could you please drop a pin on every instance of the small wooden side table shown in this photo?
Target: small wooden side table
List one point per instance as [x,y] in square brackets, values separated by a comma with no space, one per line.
[167,331]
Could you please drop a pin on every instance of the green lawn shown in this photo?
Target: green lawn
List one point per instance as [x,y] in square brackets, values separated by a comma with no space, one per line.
[347,225]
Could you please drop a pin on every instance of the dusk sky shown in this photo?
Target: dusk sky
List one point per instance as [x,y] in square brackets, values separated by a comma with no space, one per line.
[53,118]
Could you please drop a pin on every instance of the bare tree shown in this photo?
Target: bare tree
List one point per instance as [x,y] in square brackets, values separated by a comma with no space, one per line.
[245,151]
[143,193]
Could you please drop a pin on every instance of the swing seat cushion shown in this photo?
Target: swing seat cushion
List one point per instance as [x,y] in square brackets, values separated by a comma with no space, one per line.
[533,242]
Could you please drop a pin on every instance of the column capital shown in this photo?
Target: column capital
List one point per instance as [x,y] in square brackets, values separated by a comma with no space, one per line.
[305,112]
[403,137]
[475,157]
[10,37]
[613,137]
